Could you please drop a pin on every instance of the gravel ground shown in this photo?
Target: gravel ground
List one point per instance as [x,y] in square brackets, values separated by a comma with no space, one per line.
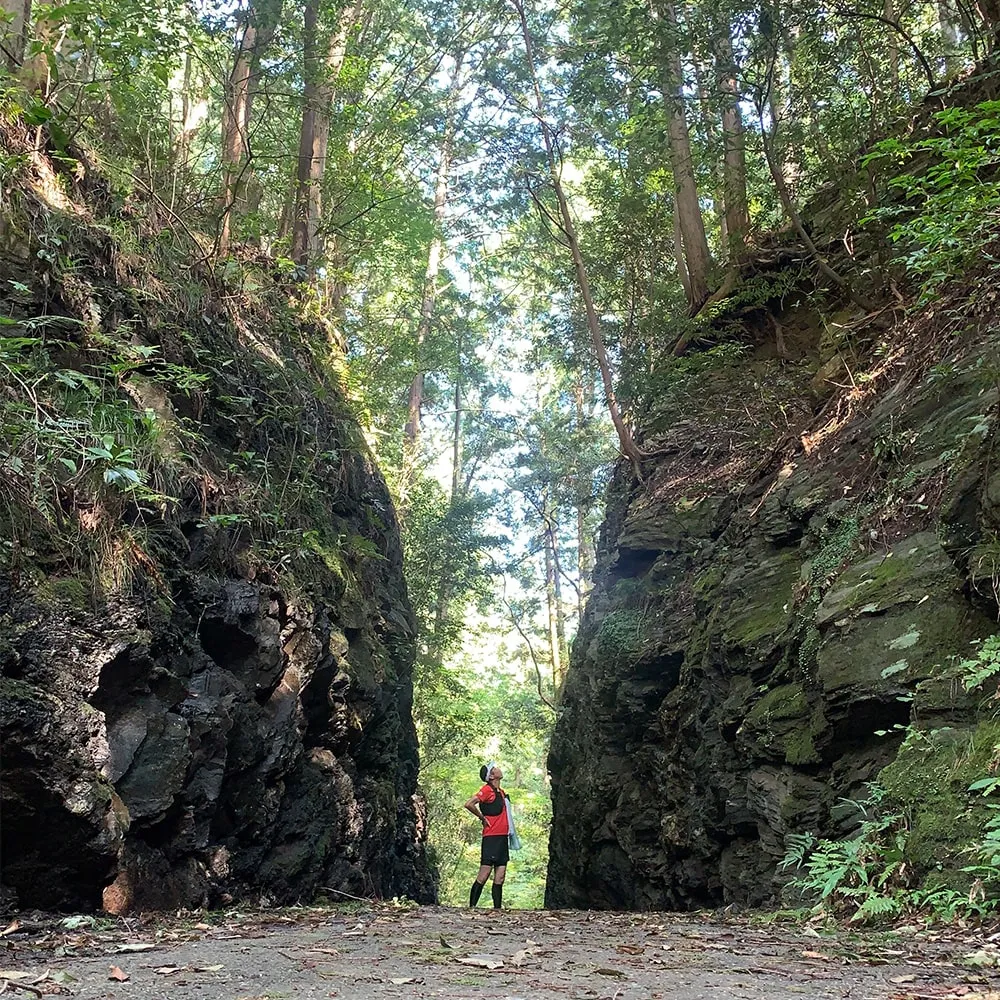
[389,951]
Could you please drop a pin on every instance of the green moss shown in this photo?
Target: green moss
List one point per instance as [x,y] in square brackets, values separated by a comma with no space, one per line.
[755,601]
[809,647]
[786,702]
[621,633]
[800,743]
[885,573]
[839,542]
[929,781]
[785,723]
[332,557]
[755,624]
[708,581]
[66,590]
[22,691]
[627,588]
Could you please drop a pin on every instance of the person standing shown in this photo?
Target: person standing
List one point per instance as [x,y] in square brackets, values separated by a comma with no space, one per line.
[491,806]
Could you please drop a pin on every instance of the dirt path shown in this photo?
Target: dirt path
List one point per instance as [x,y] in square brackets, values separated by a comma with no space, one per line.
[386,951]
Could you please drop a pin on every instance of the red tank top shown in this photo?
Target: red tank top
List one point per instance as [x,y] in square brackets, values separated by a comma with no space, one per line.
[494,807]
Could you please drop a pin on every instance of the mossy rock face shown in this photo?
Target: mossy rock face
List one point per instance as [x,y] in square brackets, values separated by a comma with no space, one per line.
[783,514]
[13,690]
[950,431]
[929,780]
[784,724]
[680,527]
[911,571]
[944,695]
[755,601]
[891,652]
[66,590]
[620,635]
[793,649]
[707,582]
[894,619]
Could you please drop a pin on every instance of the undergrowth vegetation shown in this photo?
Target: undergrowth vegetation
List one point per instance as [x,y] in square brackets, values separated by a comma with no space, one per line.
[878,873]
[950,201]
[140,402]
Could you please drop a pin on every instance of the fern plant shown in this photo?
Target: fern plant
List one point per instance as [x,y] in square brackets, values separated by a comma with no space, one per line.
[983,666]
[863,877]
[983,897]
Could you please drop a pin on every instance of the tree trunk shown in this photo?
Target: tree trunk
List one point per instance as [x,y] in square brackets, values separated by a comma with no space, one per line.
[682,271]
[787,203]
[181,139]
[989,11]
[584,555]
[625,439]
[14,32]
[951,41]
[583,562]
[318,95]
[557,595]
[446,582]
[551,595]
[889,14]
[734,164]
[456,431]
[706,112]
[411,432]
[780,102]
[35,63]
[260,24]
[695,243]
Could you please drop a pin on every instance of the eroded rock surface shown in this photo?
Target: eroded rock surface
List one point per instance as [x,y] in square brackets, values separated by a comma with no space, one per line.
[760,636]
[235,739]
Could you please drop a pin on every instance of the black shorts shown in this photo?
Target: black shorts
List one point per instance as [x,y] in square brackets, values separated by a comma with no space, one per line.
[495,851]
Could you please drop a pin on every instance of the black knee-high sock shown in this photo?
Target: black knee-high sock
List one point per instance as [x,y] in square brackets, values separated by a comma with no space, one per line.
[497,895]
[475,892]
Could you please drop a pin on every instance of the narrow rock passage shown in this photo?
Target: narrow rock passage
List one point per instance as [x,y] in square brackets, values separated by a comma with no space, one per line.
[391,951]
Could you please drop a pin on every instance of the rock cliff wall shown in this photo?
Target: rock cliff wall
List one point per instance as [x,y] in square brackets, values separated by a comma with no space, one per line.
[205,638]
[766,623]
[779,606]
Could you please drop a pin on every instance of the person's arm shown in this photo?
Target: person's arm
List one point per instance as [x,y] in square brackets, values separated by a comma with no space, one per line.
[473,806]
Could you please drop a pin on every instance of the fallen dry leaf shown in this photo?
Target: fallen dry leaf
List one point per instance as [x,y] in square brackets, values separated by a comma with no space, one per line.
[522,955]
[14,925]
[115,973]
[167,970]
[630,949]
[983,957]
[819,955]
[481,961]
[402,980]
[132,946]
